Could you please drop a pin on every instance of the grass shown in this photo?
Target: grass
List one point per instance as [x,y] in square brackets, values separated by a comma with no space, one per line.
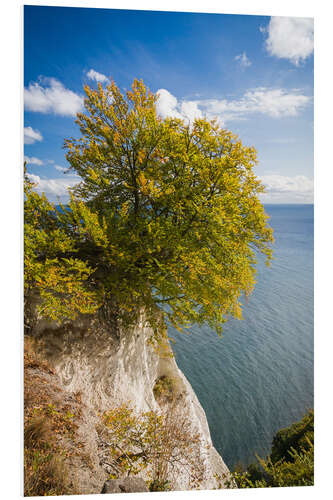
[44,463]
[49,422]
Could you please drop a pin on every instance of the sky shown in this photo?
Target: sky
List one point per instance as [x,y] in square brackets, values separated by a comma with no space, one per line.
[253,73]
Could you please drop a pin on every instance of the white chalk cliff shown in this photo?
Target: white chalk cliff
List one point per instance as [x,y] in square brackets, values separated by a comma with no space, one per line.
[110,368]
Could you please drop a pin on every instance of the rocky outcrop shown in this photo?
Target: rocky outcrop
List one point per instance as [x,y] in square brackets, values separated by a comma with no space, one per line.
[109,368]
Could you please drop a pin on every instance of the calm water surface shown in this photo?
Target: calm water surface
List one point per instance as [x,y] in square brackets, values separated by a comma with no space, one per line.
[258,377]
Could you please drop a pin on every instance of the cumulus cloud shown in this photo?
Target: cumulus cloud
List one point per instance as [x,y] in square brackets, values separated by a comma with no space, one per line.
[272,102]
[190,111]
[31,135]
[243,60]
[53,188]
[60,169]
[167,104]
[282,188]
[290,38]
[52,98]
[33,161]
[98,77]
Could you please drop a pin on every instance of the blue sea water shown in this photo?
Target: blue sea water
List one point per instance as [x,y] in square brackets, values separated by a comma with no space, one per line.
[258,377]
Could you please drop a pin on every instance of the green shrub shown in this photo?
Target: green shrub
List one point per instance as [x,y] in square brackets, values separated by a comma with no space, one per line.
[291,462]
[296,436]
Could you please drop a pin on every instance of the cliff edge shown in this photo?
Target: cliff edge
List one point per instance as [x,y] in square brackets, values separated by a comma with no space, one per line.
[108,368]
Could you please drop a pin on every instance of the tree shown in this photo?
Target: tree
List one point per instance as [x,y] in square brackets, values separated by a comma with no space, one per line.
[166,215]
[176,206]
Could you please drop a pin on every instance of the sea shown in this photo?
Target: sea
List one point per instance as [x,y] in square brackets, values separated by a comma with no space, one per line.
[258,377]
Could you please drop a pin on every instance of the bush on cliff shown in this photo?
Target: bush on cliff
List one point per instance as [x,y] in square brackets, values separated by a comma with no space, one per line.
[166,217]
[297,436]
[160,443]
[291,462]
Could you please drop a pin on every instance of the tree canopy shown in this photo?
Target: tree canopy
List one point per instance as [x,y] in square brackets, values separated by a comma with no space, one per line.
[166,214]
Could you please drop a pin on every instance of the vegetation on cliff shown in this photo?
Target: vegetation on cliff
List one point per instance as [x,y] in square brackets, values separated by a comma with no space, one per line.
[290,463]
[50,429]
[166,216]
[59,457]
[161,443]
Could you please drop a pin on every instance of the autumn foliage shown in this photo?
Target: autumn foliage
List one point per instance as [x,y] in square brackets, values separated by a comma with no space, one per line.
[157,443]
[166,217]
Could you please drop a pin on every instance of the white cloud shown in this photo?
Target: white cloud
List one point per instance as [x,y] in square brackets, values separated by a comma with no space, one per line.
[98,77]
[33,161]
[167,104]
[54,98]
[243,60]
[60,169]
[190,110]
[53,188]
[31,135]
[284,189]
[290,38]
[272,102]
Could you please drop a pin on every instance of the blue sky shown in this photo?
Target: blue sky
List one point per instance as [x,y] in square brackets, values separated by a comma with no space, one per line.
[254,73]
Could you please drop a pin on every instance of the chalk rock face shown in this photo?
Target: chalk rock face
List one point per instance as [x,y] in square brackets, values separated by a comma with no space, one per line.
[110,368]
